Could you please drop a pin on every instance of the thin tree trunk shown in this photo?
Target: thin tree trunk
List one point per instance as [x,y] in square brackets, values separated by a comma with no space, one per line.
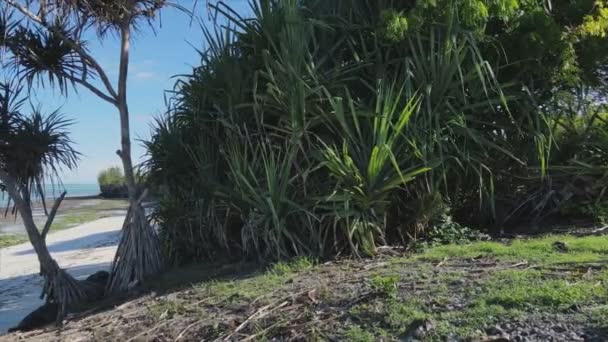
[59,285]
[123,108]
[138,254]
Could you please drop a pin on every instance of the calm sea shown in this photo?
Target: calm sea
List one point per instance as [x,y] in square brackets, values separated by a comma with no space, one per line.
[73,190]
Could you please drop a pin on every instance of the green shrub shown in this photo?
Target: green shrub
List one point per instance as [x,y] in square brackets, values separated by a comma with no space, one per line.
[324,128]
[386,285]
[112,183]
[311,164]
[111,176]
[446,231]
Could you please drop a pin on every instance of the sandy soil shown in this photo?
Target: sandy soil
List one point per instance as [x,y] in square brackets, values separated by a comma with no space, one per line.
[82,250]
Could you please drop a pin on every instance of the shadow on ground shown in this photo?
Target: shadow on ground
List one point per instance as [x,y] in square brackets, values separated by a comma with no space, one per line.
[104,239]
[17,298]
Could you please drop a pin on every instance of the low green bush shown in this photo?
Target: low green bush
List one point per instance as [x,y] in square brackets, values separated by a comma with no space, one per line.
[112,183]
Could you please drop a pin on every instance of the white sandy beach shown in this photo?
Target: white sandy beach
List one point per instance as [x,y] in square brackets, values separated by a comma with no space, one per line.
[81,251]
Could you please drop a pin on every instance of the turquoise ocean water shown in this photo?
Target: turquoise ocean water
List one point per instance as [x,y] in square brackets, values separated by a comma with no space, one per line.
[73,190]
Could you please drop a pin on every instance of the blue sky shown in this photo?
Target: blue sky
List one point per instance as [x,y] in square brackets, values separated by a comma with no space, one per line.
[155,60]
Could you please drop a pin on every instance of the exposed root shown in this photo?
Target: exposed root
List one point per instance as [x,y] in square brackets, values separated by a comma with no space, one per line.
[61,288]
[138,254]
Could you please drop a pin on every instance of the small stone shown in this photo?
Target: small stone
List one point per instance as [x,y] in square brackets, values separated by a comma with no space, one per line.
[559,328]
[419,329]
[495,331]
[452,338]
[574,308]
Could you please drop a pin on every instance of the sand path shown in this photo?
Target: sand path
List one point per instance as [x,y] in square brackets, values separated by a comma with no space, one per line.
[81,251]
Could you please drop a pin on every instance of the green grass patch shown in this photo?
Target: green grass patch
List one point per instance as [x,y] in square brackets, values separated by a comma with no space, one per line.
[258,284]
[494,297]
[597,315]
[356,333]
[522,289]
[538,250]
[75,219]
[400,315]
[11,240]
[385,284]
[78,216]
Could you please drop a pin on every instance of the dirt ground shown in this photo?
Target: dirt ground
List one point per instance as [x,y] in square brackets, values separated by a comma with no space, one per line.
[552,288]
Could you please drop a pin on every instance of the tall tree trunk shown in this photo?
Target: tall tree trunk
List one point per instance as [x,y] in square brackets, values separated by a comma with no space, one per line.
[60,287]
[138,254]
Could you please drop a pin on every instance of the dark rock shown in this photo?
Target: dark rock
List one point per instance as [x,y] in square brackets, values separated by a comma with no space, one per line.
[574,308]
[419,329]
[114,191]
[38,318]
[458,282]
[100,277]
[495,330]
[94,287]
[559,328]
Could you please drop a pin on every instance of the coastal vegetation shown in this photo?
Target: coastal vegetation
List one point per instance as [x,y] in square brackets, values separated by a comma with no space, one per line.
[112,183]
[7,240]
[480,291]
[321,128]
[33,147]
[44,44]
[351,170]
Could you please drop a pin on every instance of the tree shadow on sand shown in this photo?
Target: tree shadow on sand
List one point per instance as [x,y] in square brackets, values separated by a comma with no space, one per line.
[104,239]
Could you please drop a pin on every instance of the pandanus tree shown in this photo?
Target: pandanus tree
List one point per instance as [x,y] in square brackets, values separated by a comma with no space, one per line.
[33,148]
[45,41]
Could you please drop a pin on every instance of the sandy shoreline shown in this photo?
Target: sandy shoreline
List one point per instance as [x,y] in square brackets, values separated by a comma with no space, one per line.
[81,251]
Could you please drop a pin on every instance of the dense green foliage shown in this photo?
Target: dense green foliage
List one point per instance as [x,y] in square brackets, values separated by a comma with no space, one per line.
[111,176]
[327,127]
[112,183]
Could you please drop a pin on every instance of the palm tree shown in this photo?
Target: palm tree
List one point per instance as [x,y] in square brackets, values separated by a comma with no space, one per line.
[47,45]
[33,149]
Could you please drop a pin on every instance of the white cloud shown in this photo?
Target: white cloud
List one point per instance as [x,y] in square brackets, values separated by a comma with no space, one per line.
[144,75]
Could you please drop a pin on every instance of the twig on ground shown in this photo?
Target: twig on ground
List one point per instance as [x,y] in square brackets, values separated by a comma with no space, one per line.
[441,262]
[251,337]
[376,265]
[317,321]
[523,263]
[262,312]
[197,303]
